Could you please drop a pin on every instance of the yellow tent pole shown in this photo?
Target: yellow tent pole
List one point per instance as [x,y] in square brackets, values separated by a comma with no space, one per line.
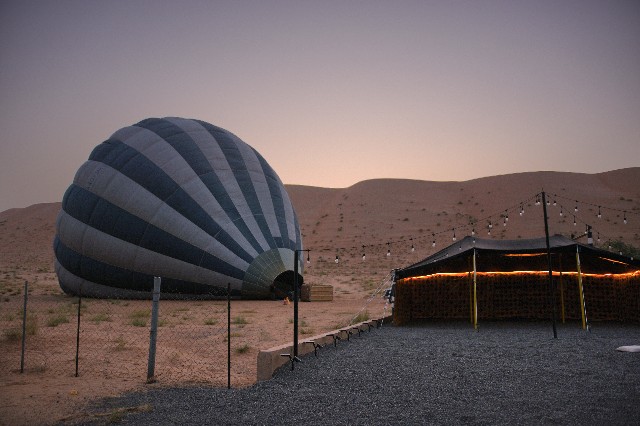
[470,297]
[581,290]
[562,297]
[561,288]
[475,293]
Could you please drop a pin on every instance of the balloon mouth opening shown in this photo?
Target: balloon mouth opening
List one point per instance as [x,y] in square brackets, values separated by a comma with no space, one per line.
[283,285]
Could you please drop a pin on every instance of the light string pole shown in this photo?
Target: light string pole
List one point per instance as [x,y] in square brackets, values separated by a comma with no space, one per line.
[552,298]
[296,297]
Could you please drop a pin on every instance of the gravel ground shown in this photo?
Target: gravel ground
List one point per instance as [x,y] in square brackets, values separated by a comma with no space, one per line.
[434,373]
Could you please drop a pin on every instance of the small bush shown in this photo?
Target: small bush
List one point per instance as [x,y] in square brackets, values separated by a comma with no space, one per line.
[139,322]
[57,320]
[210,321]
[100,317]
[240,320]
[362,316]
[12,335]
[243,349]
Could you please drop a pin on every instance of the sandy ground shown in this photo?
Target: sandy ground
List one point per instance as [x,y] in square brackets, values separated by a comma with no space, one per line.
[191,339]
[114,344]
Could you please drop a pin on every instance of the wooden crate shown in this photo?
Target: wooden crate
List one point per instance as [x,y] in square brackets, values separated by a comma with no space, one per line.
[316,293]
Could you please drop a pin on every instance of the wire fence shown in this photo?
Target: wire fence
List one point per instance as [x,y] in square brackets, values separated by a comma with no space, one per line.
[110,338]
[198,341]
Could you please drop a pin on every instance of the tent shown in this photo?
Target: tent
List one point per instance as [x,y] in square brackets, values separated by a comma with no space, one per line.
[499,279]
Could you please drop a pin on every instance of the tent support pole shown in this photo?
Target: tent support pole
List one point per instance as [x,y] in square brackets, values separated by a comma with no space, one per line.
[552,299]
[470,297]
[561,289]
[583,308]
[475,293]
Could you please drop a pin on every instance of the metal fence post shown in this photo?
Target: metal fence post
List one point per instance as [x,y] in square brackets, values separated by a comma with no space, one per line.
[24,325]
[78,330]
[228,335]
[153,332]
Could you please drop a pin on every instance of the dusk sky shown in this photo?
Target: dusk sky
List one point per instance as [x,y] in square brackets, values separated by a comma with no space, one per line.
[329,92]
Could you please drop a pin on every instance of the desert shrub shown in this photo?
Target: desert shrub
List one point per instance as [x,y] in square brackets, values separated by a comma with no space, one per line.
[240,320]
[243,349]
[98,318]
[57,320]
[210,321]
[12,335]
[362,316]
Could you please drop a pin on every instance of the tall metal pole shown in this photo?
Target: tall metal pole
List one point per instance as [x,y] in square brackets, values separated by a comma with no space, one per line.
[228,335]
[552,298]
[78,329]
[24,325]
[475,293]
[295,305]
[153,332]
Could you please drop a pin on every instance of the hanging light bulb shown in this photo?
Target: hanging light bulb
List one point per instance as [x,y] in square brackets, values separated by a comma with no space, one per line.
[554,203]
[521,209]
[489,232]
[574,221]
[599,213]
[506,218]
[560,211]
[308,257]
[576,209]
[433,244]
[337,259]
[454,234]
[490,225]
[504,222]
[413,249]
[473,231]
[598,237]
[537,200]
[474,241]
[548,202]
[625,218]
[388,249]
[364,257]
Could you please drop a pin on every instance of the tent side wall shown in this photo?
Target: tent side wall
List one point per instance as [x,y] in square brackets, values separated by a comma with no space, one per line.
[514,296]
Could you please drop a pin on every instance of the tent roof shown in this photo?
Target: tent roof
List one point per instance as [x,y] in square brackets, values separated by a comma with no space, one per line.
[502,255]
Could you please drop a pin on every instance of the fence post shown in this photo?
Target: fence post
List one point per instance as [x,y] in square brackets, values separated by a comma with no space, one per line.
[78,330]
[153,332]
[228,335]
[24,325]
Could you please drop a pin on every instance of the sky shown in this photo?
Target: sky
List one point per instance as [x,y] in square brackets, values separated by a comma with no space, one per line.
[329,92]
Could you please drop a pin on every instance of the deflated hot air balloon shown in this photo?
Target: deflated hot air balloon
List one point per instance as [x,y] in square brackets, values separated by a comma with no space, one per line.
[183,200]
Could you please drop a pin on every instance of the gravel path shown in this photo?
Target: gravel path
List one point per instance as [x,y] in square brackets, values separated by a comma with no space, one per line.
[436,373]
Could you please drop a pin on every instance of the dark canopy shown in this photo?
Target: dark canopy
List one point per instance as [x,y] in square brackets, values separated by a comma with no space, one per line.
[520,255]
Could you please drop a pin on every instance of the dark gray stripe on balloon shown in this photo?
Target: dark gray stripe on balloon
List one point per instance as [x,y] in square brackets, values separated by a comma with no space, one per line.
[189,150]
[138,168]
[102,273]
[276,198]
[234,158]
[100,214]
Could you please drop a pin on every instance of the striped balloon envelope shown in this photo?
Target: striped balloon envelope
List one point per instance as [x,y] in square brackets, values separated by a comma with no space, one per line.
[183,200]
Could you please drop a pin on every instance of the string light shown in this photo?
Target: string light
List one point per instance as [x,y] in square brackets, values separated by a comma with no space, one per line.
[574,221]
[598,237]
[337,259]
[521,209]
[473,231]
[599,213]
[537,200]
[576,209]
[364,257]
[560,211]
[454,234]
[388,249]
[433,244]
[625,218]
[308,257]
[554,202]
